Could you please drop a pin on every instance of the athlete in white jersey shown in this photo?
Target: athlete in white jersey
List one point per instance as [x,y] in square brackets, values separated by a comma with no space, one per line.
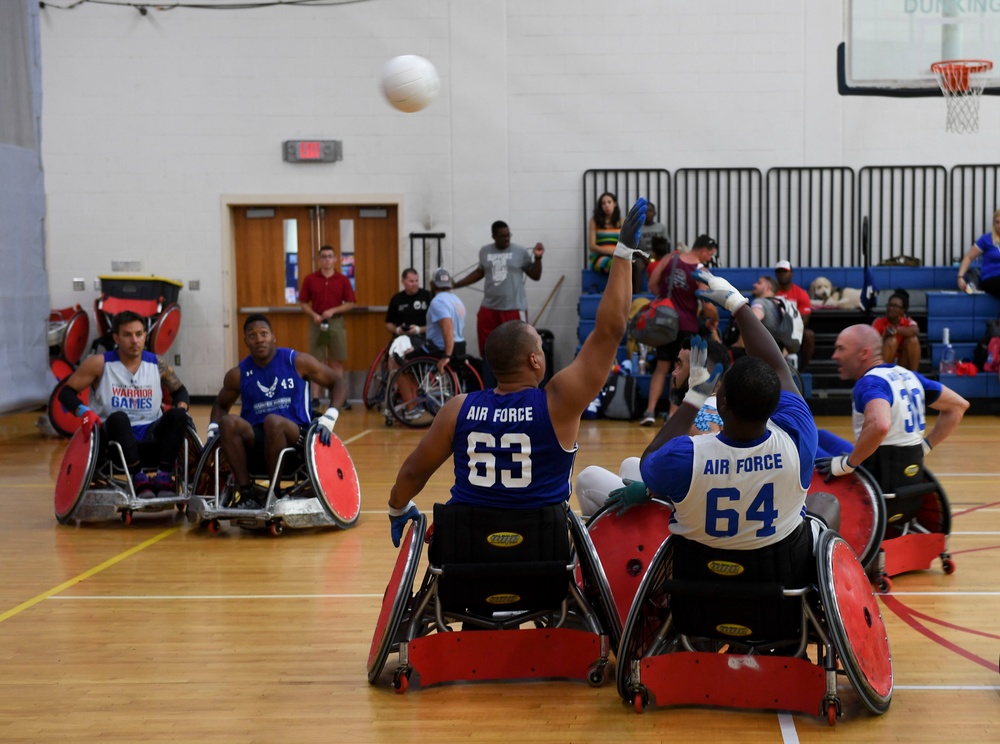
[889,406]
[745,487]
[127,394]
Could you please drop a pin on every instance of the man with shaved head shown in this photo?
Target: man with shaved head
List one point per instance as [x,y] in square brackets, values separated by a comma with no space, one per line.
[889,403]
[514,445]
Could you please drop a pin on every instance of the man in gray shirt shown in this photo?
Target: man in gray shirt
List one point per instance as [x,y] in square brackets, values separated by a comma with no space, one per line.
[504,265]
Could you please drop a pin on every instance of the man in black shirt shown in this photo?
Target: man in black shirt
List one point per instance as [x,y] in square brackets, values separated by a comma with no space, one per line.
[407,313]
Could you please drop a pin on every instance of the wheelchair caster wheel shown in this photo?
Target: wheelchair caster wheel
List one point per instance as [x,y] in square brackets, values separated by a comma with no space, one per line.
[884,584]
[401,682]
[182,507]
[214,528]
[948,564]
[831,713]
[276,528]
[640,699]
[127,518]
[597,676]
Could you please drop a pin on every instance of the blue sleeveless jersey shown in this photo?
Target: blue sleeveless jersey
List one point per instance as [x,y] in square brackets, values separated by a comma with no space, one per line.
[275,388]
[507,454]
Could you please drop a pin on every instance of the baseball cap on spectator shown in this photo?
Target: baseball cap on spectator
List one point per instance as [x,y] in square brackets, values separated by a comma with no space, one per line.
[783,265]
[442,278]
[704,241]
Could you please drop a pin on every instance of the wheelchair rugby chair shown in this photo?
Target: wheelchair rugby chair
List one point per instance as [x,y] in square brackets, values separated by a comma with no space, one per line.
[733,629]
[492,571]
[93,484]
[313,486]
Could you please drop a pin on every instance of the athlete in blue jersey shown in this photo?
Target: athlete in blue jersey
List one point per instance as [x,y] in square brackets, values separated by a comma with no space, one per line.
[889,406]
[514,445]
[127,393]
[273,384]
[745,487]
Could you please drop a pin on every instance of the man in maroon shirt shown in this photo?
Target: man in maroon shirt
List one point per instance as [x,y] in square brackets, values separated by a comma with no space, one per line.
[783,272]
[325,296]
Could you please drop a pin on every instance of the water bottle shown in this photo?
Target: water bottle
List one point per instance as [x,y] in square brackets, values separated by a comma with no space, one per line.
[643,354]
[635,363]
[948,355]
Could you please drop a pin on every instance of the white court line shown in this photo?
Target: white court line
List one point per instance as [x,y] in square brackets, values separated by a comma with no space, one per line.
[974,688]
[945,594]
[216,596]
[787,724]
[976,533]
[966,475]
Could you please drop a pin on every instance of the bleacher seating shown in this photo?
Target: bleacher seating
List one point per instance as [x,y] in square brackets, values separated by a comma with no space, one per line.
[935,304]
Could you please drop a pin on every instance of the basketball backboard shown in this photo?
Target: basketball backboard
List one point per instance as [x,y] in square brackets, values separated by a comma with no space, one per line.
[890,44]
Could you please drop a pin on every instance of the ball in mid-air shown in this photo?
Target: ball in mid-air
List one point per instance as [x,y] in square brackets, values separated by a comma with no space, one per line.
[410,82]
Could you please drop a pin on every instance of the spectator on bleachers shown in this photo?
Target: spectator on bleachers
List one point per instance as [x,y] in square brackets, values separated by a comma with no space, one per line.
[764,289]
[899,332]
[987,246]
[673,276]
[786,288]
[605,224]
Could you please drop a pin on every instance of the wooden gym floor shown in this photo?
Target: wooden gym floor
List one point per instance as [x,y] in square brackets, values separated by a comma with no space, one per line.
[161,632]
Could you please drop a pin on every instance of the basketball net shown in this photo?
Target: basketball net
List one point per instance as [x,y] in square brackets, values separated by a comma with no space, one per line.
[962,82]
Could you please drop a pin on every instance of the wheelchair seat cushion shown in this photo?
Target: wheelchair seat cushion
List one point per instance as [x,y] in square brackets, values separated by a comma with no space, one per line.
[736,594]
[500,559]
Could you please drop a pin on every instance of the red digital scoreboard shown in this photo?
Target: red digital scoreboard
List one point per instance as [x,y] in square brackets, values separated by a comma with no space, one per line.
[312,151]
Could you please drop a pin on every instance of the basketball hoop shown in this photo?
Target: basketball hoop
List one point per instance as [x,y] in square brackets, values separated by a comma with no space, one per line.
[962,82]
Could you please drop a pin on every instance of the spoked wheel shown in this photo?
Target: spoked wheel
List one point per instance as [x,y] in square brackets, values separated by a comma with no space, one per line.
[378,375]
[417,391]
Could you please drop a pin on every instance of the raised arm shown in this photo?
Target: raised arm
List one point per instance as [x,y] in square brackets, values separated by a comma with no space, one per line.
[757,340]
[534,269]
[572,389]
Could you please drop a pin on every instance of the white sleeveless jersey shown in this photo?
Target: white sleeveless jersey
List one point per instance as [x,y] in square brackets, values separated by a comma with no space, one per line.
[139,395]
[742,497]
[907,403]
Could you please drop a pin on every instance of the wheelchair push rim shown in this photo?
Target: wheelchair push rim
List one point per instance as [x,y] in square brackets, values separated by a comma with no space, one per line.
[397,599]
[862,511]
[76,472]
[855,622]
[334,477]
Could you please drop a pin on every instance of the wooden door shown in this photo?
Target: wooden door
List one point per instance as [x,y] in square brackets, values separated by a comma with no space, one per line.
[264,238]
[267,237]
[373,235]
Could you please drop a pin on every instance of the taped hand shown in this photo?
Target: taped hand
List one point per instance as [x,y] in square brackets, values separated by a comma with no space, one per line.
[719,291]
[927,447]
[398,519]
[622,499]
[701,382]
[834,466]
[325,424]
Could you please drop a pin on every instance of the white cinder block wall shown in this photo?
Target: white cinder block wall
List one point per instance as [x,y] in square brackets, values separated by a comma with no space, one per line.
[149,121]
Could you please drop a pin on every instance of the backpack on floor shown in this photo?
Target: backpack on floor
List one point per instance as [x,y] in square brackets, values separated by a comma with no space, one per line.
[620,398]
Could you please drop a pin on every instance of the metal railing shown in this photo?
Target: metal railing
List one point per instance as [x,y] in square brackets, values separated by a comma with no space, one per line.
[725,203]
[907,206]
[627,185]
[974,198]
[810,216]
